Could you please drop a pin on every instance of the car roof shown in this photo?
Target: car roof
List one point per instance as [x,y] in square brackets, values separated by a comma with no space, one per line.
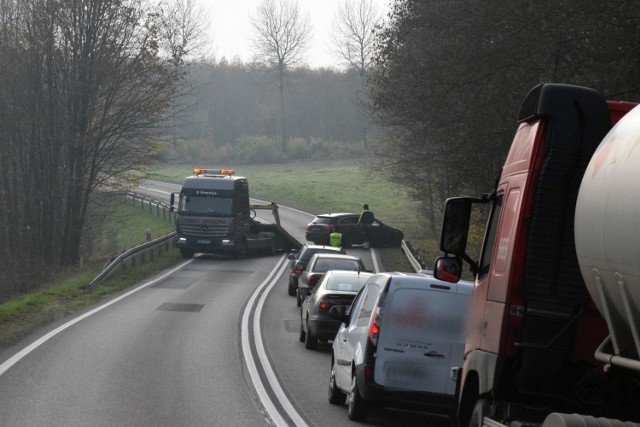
[342,273]
[337,255]
[322,247]
[338,214]
[419,280]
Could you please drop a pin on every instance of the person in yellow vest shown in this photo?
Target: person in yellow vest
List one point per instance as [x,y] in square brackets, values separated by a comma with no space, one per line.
[365,220]
[335,239]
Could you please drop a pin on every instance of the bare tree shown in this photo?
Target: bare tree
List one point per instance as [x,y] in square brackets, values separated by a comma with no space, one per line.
[353,42]
[281,36]
[184,26]
[82,100]
[353,37]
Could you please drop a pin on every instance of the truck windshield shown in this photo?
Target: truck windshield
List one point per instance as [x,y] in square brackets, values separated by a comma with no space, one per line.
[206,204]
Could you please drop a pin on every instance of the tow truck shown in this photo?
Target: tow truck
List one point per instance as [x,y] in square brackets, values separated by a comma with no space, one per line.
[214,215]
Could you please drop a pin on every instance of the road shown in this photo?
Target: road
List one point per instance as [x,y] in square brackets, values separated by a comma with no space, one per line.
[213,342]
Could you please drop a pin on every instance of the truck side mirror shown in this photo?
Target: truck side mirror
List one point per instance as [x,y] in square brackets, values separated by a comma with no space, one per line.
[455,225]
[448,269]
[172,200]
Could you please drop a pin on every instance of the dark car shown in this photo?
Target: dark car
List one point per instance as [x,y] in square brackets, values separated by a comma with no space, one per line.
[377,234]
[318,265]
[299,260]
[337,287]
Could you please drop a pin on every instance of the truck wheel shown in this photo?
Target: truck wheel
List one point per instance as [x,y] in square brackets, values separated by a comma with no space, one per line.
[357,410]
[240,250]
[480,410]
[186,253]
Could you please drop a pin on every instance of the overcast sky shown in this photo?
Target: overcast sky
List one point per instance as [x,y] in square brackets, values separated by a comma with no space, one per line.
[232,31]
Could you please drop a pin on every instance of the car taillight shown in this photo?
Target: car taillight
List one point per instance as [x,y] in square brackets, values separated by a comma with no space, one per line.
[311,280]
[297,270]
[374,327]
[323,304]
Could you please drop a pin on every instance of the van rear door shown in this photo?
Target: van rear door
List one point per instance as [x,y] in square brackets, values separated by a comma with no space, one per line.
[421,335]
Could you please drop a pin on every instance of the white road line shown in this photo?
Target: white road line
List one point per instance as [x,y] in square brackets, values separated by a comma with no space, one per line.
[34,345]
[268,404]
[376,267]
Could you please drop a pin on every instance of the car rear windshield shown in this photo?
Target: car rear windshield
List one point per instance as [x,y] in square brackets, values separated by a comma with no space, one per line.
[350,283]
[324,265]
[322,220]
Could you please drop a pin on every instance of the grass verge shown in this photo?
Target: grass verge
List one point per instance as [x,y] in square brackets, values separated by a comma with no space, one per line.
[69,291]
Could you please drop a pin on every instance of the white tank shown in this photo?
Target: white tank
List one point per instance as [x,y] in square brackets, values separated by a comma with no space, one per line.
[607,231]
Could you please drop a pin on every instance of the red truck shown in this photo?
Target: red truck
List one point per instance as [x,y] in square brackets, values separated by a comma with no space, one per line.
[553,335]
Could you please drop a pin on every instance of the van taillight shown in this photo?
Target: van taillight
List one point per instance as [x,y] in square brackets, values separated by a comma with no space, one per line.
[374,327]
[368,373]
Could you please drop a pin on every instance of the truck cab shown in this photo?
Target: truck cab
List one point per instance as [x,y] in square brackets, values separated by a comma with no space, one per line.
[213,214]
[533,328]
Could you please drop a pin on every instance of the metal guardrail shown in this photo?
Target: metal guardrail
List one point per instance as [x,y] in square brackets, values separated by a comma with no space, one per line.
[161,209]
[135,255]
[147,249]
[415,263]
[139,254]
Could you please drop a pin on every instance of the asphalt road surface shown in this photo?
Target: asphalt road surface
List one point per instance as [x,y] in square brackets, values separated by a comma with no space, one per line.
[212,342]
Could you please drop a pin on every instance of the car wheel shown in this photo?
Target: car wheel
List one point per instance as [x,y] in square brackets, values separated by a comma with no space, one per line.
[310,342]
[303,334]
[336,397]
[186,253]
[292,288]
[357,410]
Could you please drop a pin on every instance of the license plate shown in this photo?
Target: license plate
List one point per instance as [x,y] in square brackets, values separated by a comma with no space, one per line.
[203,242]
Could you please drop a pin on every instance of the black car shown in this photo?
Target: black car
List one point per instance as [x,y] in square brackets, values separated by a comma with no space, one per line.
[377,234]
[337,287]
[299,260]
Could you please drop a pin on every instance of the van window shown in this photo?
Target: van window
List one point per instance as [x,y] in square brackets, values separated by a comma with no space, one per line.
[362,311]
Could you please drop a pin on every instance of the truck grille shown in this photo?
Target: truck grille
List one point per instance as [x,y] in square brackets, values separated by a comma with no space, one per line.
[200,231]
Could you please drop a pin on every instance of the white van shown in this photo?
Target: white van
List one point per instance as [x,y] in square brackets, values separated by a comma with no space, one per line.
[400,341]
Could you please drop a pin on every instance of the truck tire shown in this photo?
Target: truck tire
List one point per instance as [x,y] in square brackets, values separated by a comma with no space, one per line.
[556,419]
[240,250]
[480,410]
[186,253]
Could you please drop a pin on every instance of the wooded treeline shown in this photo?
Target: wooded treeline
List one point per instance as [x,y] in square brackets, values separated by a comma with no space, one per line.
[449,78]
[232,113]
[92,89]
[84,86]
